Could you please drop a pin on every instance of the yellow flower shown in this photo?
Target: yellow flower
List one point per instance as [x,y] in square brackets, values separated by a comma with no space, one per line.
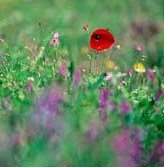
[111,64]
[117,46]
[31,79]
[84,50]
[139,67]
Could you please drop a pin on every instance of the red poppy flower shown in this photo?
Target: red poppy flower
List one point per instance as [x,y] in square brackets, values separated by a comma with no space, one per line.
[101,39]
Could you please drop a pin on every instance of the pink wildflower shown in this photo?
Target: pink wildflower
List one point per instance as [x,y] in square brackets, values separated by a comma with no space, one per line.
[63,70]
[77,77]
[150,74]
[125,107]
[56,35]
[55,39]
[111,106]
[92,132]
[54,42]
[139,48]
[85,27]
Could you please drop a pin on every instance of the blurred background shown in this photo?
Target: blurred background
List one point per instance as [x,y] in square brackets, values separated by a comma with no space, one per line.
[131,22]
[27,27]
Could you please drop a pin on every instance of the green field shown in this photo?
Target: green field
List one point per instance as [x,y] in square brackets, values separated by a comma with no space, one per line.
[66,105]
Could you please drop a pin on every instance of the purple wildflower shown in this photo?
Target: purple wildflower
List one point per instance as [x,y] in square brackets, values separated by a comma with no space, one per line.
[17,138]
[159,94]
[136,136]
[157,154]
[50,102]
[125,107]
[150,74]
[104,98]
[49,106]
[92,132]
[48,109]
[127,149]
[122,143]
[77,77]
[129,72]
[105,104]
[139,48]
[63,70]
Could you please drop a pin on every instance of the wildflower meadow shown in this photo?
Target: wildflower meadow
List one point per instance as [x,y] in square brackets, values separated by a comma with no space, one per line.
[81,83]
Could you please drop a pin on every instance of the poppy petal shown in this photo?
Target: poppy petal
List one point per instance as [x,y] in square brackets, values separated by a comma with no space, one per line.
[101,39]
